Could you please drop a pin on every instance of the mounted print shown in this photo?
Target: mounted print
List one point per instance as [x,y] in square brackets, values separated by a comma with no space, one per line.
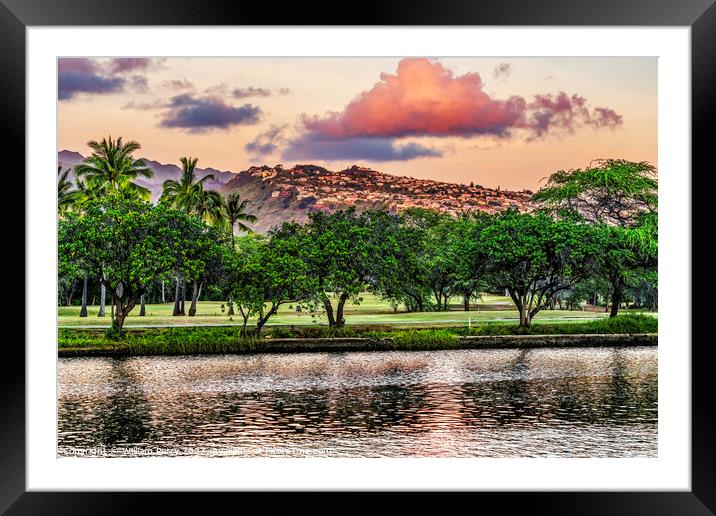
[357,257]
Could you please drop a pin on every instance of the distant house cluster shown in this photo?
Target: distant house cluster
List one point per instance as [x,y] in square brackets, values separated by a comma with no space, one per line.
[327,190]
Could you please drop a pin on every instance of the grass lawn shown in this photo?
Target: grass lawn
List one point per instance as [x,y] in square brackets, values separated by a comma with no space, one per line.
[371,311]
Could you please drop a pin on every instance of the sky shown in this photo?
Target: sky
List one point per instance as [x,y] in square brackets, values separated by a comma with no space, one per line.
[507,122]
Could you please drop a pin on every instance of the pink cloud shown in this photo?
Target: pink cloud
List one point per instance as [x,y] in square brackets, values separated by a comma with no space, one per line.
[425,98]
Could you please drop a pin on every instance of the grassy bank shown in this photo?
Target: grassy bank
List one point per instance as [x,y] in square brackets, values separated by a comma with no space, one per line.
[173,341]
[371,311]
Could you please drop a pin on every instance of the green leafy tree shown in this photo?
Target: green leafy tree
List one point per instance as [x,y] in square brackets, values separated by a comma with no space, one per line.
[189,195]
[337,248]
[133,243]
[610,191]
[276,273]
[468,256]
[622,197]
[397,269]
[535,256]
[112,166]
[627,251]
[245,277]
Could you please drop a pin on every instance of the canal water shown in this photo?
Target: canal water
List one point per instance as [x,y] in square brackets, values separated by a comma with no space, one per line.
[581,402]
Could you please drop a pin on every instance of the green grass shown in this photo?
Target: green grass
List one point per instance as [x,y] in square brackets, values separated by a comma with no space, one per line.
[627,323]
[371,311]
[161,341]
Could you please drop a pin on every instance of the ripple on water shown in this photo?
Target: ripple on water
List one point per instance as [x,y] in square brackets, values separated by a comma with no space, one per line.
[473,403]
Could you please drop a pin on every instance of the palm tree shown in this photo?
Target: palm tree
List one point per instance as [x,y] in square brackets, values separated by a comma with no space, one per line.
[88,192]
[189,195]
[113,165]
[210,207]
[67,197]
[186,193]
[236,214]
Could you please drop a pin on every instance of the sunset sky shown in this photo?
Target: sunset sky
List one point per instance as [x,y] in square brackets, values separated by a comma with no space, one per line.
[495,121]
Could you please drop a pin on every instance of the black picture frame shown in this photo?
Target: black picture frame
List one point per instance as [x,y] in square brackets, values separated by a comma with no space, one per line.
[16,15]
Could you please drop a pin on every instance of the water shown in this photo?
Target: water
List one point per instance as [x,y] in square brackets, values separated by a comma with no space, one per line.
[588,402]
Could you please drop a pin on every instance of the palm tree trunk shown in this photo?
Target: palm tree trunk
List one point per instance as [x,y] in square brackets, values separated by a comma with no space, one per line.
[183,297]
[163,300]
[83,310]
[102,297]
[177,306]
[142,309]
[194,297]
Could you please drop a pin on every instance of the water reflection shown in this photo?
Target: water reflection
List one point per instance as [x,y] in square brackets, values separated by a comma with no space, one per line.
[578,402]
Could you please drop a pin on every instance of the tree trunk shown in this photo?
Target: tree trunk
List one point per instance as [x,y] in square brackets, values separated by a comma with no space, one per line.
[340,321]
[69,296]
[123,310]
[194,297]
[142,309]
[520,301]
[329,312]
[525,319]
[83,310]
[263,318]
[102,297]
[163,299]
[177,305]
[466,300]
[183,297]
[231,305]
[438,299]
[616,300]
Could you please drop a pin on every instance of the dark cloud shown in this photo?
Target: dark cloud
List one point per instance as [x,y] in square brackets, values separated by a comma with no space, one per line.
[128,64]
[139,84]
[90,76]
[242,93]
[605,117]
[502,70]
[567,113]
[266,142]
[315,146]
[199,114]
[81,75]
[251,91]
[145,106]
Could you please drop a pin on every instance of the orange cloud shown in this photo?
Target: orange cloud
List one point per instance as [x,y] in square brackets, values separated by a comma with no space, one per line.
[425,98]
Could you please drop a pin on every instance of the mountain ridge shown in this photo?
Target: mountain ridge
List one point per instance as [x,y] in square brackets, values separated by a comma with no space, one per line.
[277,194]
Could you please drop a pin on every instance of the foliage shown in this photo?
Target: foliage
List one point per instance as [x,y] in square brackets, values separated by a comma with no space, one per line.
[188,194]
[424,339]
[231,340]
[67,196]
[337,250]
[611,191]
[535,256]
[133,243]
[112,165]
[236,214]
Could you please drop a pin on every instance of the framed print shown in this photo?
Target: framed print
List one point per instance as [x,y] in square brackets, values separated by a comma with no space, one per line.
[419,252]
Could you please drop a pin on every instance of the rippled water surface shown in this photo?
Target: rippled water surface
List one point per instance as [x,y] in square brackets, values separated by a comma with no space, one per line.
[461,403]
